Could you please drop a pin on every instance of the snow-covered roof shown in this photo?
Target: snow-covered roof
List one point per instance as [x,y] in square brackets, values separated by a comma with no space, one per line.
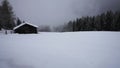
[24,24]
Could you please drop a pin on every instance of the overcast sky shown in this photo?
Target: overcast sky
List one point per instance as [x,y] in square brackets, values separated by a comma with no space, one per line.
[56,12]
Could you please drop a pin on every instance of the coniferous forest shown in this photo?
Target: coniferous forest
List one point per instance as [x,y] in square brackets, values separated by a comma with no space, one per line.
[108,21]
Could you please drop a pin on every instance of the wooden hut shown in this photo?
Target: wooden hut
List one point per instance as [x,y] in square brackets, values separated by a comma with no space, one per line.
[26,28]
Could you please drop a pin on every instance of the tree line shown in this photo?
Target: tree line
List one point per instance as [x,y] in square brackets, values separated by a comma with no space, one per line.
[108,21]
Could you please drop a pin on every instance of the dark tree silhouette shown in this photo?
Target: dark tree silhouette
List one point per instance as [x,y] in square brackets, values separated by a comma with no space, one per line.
[18,21]
[7,16]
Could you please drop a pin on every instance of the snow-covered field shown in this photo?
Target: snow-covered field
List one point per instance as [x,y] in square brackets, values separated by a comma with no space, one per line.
[60,50]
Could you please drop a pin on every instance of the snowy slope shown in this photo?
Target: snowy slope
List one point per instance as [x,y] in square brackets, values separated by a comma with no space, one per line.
[61,50]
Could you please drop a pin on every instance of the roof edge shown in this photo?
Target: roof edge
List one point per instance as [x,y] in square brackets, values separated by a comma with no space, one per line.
[24,24]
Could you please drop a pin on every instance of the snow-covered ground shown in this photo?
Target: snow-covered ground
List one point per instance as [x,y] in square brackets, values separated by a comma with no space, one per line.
[60,50]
